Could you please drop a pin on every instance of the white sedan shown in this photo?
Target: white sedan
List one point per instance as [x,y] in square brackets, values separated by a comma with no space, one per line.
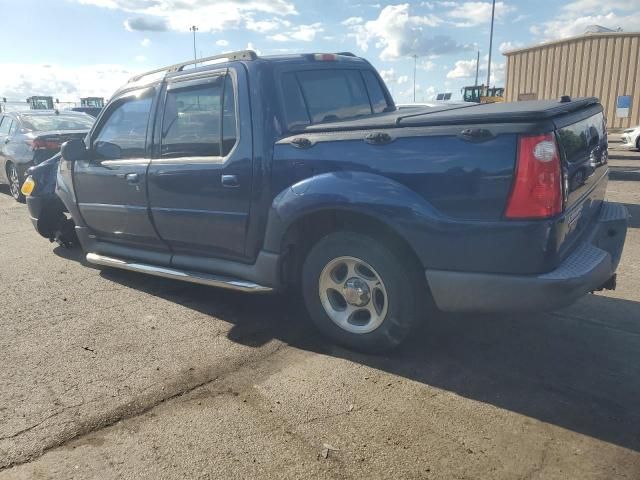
[631,138]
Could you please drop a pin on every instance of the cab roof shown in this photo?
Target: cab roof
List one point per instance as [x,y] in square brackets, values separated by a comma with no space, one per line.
[209,63]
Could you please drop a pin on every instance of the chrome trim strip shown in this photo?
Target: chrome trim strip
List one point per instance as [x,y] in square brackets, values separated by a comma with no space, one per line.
[173,274]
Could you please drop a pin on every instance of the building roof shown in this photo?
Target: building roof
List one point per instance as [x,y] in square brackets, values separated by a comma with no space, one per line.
[578,38]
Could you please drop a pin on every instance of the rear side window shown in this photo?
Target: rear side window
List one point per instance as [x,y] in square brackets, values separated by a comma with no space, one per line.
[295,108]
[200,120]
[334,94]
[316,96]
[376,95]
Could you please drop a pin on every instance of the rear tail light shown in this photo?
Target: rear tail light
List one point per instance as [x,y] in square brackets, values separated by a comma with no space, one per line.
[537,186]
[42,144]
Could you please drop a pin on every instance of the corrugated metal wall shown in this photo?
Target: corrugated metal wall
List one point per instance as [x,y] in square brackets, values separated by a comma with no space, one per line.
[600,65]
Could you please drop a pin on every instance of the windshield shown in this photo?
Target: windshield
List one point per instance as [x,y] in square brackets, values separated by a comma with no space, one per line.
[56,122]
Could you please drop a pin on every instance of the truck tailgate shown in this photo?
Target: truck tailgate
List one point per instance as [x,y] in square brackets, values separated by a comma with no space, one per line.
[583,147]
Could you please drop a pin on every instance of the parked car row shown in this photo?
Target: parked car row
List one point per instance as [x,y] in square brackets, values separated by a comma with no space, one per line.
[313,181]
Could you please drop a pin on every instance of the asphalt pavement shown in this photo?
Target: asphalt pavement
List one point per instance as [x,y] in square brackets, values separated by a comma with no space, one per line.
[109,374]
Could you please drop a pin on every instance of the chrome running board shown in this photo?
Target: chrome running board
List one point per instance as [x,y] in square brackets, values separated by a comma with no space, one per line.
[165,272]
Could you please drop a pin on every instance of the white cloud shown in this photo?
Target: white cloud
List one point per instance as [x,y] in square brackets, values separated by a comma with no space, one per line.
[140,58]
[400,34]
[306,33]
[222,43]
[67,84]
[576,16]
[264,26]
[208,15]
[583,7]
[302,33]
[351,21]
[463,69]
[466,69]
[389,76]
[279,37]
[427,65]
[146,24]
[423,94]
[145,42]
[565,27]
[507,46]
[471,14]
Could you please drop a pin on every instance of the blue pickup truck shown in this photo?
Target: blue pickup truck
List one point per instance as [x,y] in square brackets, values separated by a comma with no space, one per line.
[298,173]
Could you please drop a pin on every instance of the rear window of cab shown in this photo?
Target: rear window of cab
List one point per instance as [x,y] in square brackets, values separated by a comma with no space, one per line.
[317,96]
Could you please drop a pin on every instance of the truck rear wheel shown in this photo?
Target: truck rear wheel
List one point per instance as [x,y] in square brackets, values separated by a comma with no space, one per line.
[360,293]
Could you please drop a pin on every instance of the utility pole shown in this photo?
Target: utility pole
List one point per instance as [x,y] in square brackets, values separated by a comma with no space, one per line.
[415,67]
[477,68]
[194,29]
[493,14]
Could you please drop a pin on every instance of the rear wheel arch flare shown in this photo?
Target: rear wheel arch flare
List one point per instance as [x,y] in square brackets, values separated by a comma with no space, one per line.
[306,230]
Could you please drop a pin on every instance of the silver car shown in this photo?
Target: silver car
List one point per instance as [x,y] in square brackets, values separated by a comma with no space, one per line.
[31,137]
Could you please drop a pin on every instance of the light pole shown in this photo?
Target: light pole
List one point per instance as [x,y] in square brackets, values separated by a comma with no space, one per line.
[477,68]
[415,65]
[194,29]
[493,14]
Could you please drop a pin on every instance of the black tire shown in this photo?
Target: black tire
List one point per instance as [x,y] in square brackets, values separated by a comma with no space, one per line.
[404,286]
[15,182]
[638,143]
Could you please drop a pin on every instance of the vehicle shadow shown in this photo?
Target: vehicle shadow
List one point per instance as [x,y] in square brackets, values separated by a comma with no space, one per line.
[624,174]
[634,212]
[578,368]
[4,190]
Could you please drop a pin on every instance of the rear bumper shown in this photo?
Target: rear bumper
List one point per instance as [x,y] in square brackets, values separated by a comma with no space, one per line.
[36,205]
[43,212]
[587,269]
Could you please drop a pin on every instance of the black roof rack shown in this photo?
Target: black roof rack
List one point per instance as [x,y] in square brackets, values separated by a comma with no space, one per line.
[346,54]
[230,56]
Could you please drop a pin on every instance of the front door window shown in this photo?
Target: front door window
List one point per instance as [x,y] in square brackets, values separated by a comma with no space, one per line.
[123,135]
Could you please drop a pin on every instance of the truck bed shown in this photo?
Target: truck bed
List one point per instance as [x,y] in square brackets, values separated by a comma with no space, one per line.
[528,111]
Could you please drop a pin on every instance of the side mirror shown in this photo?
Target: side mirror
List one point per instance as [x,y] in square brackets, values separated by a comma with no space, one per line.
[73,150]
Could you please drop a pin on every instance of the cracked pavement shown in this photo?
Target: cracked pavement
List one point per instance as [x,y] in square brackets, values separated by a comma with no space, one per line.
[110,374]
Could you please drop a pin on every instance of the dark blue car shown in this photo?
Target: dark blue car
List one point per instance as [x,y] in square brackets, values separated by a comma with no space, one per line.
[267,173]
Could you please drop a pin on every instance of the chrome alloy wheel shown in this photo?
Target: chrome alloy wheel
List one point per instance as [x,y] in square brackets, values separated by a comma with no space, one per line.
[14,181]
[353,295]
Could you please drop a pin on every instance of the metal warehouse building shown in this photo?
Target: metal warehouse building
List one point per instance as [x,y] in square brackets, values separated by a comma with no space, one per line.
[603,65]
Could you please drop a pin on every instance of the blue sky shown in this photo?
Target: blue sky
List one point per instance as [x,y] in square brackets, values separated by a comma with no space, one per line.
[73,48]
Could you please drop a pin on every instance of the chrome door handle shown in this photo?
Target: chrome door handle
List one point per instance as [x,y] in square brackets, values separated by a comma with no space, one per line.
[132,178]
[230,181]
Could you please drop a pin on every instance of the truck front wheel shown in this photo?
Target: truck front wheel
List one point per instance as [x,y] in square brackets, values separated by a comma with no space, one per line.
[360,293]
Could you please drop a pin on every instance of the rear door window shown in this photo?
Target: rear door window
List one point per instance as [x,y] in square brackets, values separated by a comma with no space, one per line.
[200,120]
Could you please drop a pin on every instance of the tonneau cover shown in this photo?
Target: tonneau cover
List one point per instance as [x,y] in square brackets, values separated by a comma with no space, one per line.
[526,111]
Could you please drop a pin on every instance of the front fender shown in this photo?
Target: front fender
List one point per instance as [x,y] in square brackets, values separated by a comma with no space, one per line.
[358,192]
